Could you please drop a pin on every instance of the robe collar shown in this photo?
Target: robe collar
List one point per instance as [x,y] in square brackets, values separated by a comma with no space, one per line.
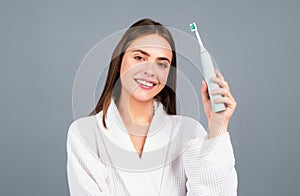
[156,135]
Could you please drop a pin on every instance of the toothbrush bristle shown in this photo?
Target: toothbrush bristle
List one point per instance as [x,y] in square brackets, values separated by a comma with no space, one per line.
[193,27]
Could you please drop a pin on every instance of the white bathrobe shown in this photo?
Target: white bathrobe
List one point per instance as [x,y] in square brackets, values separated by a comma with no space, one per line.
[178,159]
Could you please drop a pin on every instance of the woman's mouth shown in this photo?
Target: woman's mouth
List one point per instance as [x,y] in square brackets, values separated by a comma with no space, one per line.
[144,84]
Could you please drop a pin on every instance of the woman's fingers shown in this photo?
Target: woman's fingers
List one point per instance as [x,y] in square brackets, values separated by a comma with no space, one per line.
[221,82]
[223,100]
[224,90]
[219,91]
[230,103]
[218,73]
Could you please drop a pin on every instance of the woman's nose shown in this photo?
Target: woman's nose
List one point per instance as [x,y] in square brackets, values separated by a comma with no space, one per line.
[148,73]
[149,69]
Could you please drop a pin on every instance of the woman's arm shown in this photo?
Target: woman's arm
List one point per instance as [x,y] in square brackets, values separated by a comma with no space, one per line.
[218,122]
[209,166]
[209,160]
[86,174]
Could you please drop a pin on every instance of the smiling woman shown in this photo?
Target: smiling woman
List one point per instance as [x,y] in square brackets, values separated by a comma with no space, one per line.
[133,143]
[131,40]
[142,66]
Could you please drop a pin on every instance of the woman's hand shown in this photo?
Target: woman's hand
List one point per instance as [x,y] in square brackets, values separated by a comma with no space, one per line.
[218,121]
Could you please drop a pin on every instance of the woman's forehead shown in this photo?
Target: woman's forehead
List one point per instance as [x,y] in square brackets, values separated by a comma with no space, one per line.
[152,41]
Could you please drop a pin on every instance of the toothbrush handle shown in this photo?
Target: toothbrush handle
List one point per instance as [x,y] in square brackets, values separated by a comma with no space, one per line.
[209,72]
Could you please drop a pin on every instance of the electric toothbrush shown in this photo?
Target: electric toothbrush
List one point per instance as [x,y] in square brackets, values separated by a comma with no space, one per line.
[208,70]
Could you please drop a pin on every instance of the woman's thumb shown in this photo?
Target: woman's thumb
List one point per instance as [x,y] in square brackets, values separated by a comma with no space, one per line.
[204,92]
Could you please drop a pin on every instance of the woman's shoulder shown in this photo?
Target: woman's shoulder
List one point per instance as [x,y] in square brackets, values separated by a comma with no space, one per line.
[184,120]
[83,123]
[186,123]
[82,131]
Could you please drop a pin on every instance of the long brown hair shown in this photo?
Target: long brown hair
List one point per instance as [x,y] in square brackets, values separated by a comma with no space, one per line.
[112,86]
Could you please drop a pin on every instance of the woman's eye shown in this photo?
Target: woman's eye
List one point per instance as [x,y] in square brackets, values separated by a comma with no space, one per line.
[139,58]
[162,65]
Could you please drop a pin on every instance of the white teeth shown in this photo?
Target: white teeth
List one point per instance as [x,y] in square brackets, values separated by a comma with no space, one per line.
[143,82]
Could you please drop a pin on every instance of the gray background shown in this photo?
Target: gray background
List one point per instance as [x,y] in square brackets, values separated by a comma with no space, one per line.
[43,42]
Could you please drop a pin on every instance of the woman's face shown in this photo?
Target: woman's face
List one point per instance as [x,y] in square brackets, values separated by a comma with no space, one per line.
[145,67]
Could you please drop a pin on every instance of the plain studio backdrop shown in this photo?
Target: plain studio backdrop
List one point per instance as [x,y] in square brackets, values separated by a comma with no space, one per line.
[255,44]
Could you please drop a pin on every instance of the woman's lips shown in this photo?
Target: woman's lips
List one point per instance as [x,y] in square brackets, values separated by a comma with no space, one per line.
[145,84]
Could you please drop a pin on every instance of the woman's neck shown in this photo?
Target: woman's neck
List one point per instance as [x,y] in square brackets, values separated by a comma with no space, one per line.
[137,116]
[135,111]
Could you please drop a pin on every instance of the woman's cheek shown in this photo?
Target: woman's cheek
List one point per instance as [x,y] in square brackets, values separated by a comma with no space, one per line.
[163,77]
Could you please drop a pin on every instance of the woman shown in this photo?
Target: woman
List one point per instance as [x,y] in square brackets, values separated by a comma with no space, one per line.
[133,143]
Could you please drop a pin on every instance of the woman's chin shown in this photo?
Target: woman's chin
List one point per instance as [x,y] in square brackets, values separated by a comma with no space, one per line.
[143,96]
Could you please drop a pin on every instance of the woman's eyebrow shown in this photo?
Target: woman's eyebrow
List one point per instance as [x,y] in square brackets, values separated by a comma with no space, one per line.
[147,54]
[141,51]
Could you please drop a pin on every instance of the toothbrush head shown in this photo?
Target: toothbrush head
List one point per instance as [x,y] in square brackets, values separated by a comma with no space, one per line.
[193,27]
